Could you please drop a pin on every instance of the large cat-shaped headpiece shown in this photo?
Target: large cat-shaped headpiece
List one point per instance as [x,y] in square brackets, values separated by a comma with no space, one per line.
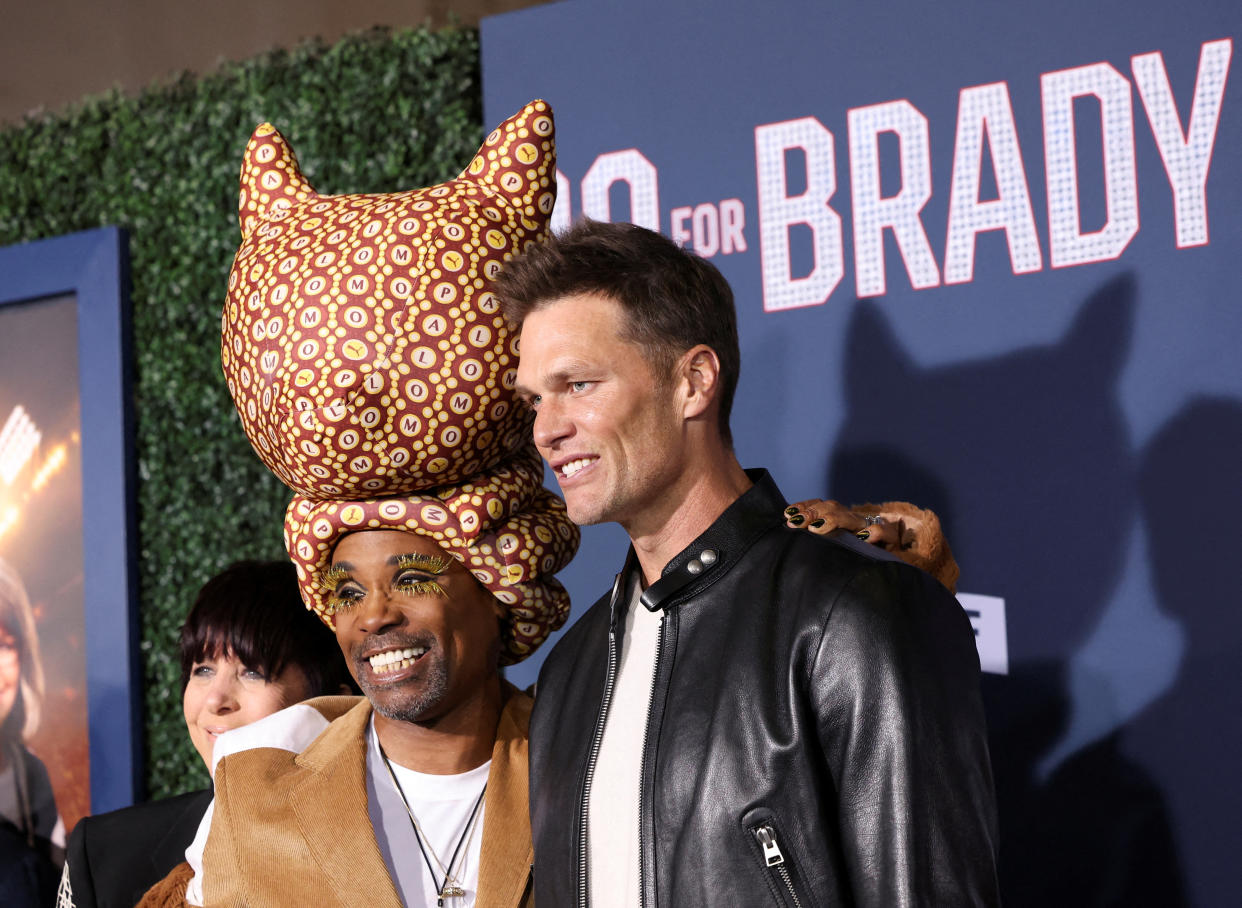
[362,342]
[373,370]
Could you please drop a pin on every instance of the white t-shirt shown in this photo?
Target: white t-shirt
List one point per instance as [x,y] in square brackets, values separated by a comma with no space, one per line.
[442,806]
[613,802]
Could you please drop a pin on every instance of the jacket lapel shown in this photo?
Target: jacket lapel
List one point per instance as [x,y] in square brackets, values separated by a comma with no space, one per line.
[507,852]
[330,803]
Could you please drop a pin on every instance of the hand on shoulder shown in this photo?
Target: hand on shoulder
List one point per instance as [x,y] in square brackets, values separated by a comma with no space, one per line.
[911,533]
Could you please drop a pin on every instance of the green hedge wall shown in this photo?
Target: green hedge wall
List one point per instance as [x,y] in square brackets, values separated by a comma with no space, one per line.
[377,111]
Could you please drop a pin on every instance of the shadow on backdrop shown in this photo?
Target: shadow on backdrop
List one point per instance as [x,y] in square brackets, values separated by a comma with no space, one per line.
[1010,451]
[1190,738]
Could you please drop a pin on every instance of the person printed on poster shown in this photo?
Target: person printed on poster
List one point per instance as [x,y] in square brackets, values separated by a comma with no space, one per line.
[31,832]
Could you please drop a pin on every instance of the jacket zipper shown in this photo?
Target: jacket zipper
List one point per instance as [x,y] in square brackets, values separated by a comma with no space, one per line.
[642,778]
[584,820]
[773,857]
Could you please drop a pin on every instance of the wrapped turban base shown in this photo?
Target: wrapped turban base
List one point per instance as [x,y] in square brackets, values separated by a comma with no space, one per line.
[511,532]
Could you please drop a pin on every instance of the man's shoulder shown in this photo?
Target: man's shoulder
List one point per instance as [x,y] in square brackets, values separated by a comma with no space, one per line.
[841,559]
[584,633]
[842,579]
[873,598]
[515,716]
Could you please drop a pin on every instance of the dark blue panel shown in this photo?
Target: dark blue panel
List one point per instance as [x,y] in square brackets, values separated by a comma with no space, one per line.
[93,267]
[1054,416]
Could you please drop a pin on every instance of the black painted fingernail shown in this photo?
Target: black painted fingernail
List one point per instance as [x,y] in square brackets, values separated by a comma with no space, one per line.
[816,524]
[797,520]
[791,510]
[863,534]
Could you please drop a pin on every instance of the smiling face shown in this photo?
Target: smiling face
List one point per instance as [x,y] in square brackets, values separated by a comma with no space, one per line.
[604,421]
[10,672]
[420,635]
[222,694]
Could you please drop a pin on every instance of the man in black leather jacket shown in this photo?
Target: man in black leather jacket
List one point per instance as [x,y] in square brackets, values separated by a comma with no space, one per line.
[754,715]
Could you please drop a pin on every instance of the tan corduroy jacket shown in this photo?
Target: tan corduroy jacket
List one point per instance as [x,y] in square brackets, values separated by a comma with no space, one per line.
[293,828]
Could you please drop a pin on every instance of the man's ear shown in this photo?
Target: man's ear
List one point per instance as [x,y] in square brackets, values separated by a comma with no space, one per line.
[699,371]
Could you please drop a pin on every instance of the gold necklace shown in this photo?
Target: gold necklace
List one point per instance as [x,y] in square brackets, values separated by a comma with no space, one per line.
[450,888]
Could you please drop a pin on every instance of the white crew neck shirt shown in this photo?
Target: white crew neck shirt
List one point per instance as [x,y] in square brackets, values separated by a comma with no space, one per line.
[616,786]
[442,806]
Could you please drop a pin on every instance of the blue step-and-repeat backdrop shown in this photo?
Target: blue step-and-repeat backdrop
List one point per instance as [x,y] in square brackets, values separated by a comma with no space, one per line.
[987,259]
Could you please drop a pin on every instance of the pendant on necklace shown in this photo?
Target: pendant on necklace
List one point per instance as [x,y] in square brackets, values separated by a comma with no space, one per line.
[451,890]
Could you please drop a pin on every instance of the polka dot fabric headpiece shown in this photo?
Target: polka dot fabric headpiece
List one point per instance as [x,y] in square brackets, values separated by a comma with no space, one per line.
[373,370]
[362,343]
[511,532]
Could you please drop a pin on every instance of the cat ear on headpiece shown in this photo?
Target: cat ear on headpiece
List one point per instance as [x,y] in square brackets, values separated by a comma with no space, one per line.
[517,163]
[270,178]
[362,341]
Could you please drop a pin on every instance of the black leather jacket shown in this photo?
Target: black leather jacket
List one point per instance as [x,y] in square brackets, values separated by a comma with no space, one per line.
[815,736]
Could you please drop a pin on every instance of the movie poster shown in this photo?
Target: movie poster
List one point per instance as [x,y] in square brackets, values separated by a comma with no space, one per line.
[42,639]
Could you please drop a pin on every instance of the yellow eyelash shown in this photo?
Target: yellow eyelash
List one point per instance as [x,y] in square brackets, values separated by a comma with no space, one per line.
[428,564]
[336,604]
[331,578]
[421,588]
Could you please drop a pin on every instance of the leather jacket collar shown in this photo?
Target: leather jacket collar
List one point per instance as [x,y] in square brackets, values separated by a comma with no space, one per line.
[711,555]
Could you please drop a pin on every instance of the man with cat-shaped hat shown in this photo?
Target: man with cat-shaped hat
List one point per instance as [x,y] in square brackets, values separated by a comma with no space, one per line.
[373,373]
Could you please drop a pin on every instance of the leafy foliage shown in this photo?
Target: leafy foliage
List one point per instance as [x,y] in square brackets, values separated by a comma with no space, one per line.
[377,111]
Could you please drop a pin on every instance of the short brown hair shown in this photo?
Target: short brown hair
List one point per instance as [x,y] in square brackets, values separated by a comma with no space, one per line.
[674,300]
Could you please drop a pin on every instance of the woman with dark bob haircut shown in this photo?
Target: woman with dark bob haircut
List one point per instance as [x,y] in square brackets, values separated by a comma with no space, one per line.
[249,647]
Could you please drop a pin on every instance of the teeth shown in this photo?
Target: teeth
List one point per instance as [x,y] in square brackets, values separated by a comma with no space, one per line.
[394,659]
[574,466]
